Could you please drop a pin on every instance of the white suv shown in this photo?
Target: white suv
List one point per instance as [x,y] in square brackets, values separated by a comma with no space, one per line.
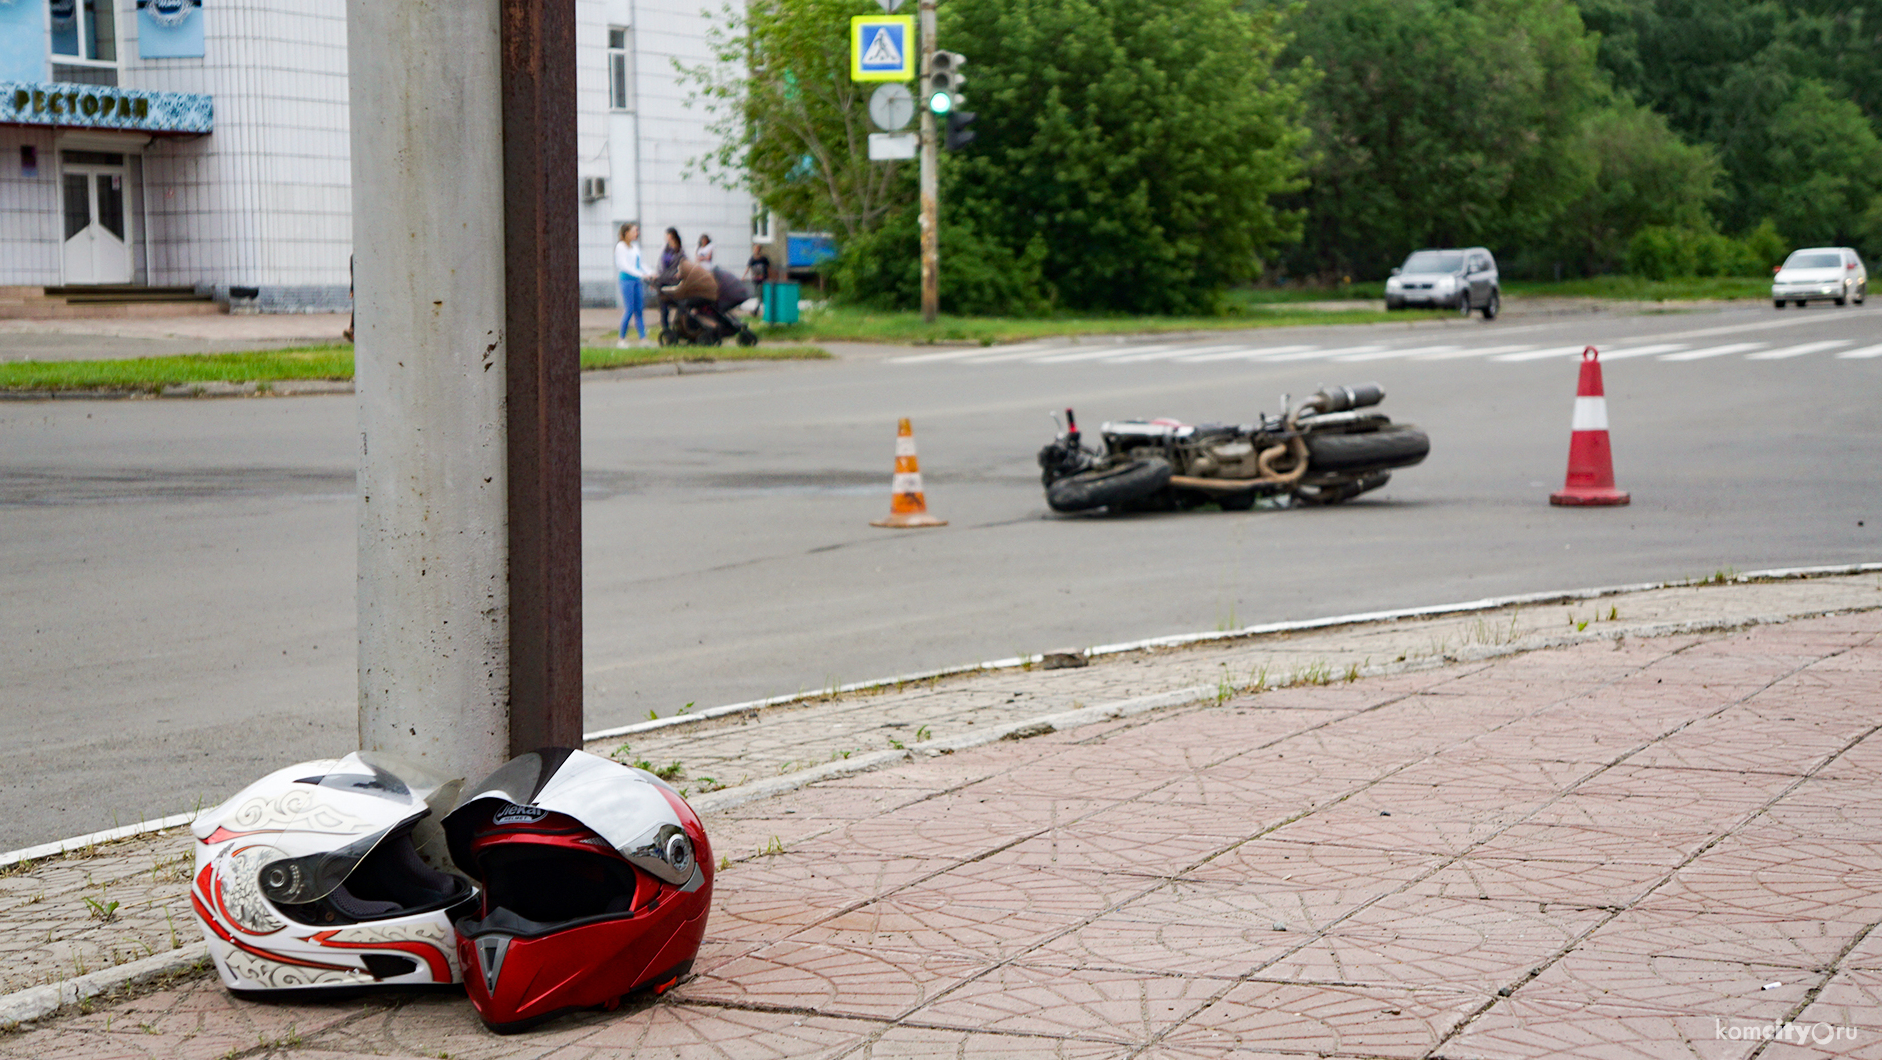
[1819,273]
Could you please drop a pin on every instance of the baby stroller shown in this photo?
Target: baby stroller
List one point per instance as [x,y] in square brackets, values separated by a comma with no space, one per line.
[703,322]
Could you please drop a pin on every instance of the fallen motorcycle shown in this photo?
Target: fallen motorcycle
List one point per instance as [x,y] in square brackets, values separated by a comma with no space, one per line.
[1324,450]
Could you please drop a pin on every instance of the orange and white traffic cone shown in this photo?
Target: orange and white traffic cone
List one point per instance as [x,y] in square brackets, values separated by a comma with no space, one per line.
[907,507]
[1590,460]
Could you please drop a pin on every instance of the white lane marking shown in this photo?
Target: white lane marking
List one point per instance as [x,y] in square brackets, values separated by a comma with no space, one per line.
[960,355]
[1733,329]
[1715,351]
[1538,355]
[1799,350]
[1094,355]
[1480,351]
[1315,355]
[1388,354]
[1246,353]
[1166,354]
[1859,355]
[1625,352]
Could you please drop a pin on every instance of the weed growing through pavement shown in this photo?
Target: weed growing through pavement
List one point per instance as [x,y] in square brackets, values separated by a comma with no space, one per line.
[775,847]
[619,754]
[725,862]
[1318,673]
[1228,622]
[104,911]
[897,744]
[1352,673]
[923,733]
[176,943]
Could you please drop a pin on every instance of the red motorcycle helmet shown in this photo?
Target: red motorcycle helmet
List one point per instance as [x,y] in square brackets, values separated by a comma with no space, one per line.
[596,883]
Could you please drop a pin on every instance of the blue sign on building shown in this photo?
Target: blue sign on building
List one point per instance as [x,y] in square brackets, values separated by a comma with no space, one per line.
[103,107]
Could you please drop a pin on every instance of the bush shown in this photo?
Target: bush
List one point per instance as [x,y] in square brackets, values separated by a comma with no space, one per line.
[1662,252]
[881,269]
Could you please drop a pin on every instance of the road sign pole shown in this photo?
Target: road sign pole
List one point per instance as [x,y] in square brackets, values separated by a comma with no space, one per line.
[930,206]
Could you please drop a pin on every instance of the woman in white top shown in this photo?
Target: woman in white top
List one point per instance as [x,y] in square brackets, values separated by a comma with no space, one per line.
[704,254]
[628,264]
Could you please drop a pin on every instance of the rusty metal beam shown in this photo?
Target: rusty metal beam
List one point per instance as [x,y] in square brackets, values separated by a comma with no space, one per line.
[542,317]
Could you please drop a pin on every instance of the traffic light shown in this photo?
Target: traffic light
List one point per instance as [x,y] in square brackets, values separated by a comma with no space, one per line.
[945,79]
[958,134]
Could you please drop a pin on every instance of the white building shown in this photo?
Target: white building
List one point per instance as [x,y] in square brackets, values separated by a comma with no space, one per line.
[204,143]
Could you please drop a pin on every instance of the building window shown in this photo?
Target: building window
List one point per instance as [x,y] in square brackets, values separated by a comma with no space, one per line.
[621,68]
[84,29]
[760,224]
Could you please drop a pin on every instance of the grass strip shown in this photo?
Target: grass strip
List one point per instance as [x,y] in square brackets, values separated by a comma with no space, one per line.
[1635,289]
[152,374]
[847,324]
[334,362]
[594,357]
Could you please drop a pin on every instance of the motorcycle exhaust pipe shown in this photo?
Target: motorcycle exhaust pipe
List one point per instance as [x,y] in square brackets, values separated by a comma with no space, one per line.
[1346,398]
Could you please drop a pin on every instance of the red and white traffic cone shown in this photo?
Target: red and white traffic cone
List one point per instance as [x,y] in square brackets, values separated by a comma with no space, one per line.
[1590,460]
[908,508]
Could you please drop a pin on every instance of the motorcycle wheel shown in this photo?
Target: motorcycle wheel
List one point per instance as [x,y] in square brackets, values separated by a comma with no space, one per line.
[1392,447]
[1111,486]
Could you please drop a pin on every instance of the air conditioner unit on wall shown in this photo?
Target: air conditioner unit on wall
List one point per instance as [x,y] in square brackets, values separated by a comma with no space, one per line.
[594,188]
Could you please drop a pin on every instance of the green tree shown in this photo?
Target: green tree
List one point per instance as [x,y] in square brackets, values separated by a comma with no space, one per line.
[1138,145]
[1642,174]
[1439,122]
[792,127]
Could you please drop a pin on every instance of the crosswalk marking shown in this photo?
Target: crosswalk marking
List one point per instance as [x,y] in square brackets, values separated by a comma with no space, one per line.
[1538,355]
[1714,351]
[1788,352]
[1204,352]
[1387,354]
[1627,352]
[1236,355]
[1481,351]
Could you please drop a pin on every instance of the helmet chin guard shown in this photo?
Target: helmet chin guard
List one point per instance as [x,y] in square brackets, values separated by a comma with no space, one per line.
[596,882]
[310,877]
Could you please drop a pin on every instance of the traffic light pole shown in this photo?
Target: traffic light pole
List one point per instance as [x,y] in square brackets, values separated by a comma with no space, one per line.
[930,206]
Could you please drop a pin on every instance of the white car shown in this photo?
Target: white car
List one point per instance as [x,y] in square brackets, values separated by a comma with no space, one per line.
[1819,273]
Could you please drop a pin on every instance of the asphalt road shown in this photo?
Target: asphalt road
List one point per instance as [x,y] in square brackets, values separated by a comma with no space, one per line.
[176,577]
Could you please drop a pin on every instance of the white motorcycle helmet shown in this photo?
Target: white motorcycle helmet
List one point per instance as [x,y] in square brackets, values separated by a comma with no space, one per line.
[309,877]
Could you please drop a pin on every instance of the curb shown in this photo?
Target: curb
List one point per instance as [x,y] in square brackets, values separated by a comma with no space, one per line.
[753,706]
[39,1002]
[61,846]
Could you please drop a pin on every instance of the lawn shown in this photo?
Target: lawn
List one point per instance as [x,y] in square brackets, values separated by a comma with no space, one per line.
[152,374]
[847,324]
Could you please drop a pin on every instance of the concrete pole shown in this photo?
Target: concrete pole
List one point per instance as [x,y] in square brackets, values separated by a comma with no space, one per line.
[930,194]
[454,351]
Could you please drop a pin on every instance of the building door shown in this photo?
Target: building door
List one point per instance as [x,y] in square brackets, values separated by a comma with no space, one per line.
[97,247]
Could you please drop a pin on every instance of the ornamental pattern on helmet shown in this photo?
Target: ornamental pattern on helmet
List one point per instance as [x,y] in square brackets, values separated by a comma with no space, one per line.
[239,882]
[296,809]
[431,931]
[257,969]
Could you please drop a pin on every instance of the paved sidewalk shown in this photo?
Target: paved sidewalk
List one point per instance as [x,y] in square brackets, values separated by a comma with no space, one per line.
[1643,845]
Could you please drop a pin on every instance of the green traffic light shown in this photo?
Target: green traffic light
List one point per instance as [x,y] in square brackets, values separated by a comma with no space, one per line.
[940,102]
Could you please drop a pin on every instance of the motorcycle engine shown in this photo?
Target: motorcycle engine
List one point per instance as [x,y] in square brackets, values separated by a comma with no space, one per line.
[1225,459]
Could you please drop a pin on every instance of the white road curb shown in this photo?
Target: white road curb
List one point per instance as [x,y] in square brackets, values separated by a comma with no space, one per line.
[41,1001]
[46,850]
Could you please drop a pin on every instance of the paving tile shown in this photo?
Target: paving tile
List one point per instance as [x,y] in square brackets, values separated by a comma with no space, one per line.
[1583,883]
[921,1043]
[1337,876]
[1418,942]
[1120,1006]
[1747,938]
[769,899]
[1590,843]
[1525,1028]
[929,922]
[832,980]
[1671,812]
[1764,882]
[1327,1020]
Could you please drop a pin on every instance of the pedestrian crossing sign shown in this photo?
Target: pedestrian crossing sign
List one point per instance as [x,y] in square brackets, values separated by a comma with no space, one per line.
[882,48]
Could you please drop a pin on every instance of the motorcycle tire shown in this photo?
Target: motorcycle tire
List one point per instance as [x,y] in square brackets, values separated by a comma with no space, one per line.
[1396,446]
[1108,487]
